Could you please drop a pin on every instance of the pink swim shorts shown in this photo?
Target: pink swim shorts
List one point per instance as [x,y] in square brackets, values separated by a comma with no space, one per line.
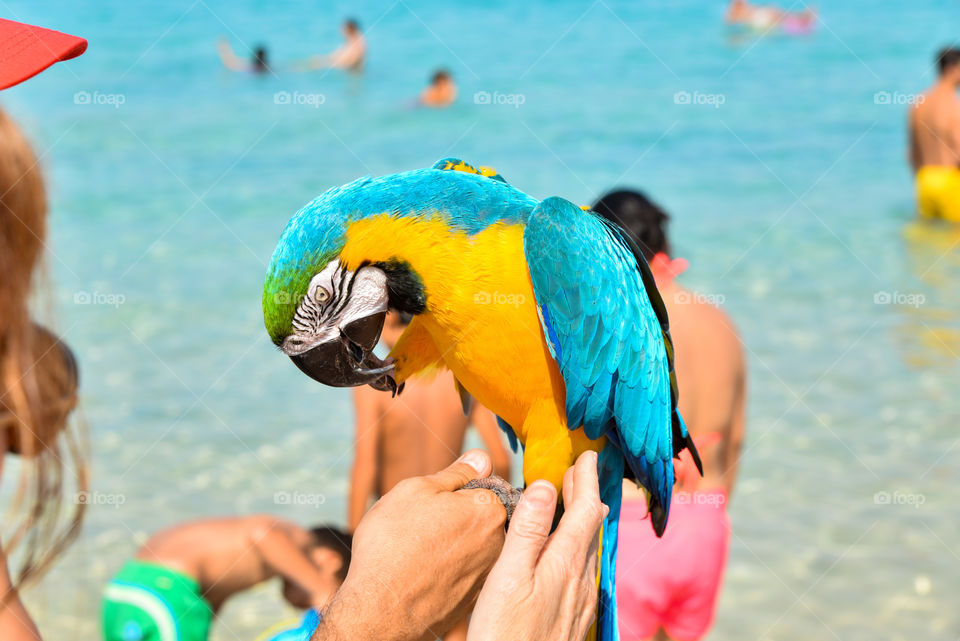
[673,582]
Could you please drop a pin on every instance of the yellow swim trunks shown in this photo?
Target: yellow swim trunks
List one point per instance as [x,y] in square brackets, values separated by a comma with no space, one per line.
[938,192]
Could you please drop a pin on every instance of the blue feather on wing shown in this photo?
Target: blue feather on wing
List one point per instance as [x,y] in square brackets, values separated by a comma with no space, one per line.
[605,337]
[610,340]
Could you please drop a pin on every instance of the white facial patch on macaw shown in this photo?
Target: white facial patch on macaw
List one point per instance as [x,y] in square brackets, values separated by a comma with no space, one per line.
[335,297]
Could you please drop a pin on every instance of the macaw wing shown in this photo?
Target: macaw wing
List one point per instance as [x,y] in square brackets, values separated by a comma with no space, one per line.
[607,338]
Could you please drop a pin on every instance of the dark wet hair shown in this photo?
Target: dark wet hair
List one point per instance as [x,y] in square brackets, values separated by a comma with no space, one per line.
[439,75]
[642,219]
[335,539]
[351,24]
[947,58]
[260,58]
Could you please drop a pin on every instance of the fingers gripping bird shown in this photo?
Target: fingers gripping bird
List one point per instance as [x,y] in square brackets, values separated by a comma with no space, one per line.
[544,313]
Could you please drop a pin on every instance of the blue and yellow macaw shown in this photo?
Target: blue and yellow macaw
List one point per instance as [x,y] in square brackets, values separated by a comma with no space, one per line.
[544,313]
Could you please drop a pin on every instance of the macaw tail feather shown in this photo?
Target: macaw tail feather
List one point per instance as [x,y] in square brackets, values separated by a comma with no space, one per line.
[610,467]
[659,493]
[656,478]
[682,439]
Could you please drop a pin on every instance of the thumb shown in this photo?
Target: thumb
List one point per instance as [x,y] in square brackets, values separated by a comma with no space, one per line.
[474,464]
[530,526]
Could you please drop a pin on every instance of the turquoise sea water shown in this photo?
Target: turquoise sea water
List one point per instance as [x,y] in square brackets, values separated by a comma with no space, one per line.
[791,199]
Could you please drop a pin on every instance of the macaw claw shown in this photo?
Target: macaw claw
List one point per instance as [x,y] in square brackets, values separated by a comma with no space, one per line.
[507,494]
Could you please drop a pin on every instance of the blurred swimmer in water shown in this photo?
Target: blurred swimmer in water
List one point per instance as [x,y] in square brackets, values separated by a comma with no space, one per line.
[257,63]
[935,142]
[441,92]
[761,17]
[350,56]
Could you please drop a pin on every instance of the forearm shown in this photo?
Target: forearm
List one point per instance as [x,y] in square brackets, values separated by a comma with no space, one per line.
[731,459]
[360,490]
[363,479]
[501,465]
[229,59]
[353,614]
[364,471]
[914,148]
[317,62]
[285,558]
[15,621]
[486,425]
[914,157]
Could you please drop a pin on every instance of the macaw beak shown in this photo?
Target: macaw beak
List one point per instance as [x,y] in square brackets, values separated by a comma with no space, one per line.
[349,361]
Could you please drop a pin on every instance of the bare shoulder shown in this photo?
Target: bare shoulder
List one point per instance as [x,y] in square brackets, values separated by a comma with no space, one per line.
[913,113]
[716,325]
[705,311]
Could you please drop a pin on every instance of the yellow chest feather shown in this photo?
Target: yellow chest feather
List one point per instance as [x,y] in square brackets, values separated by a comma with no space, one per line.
[481,311]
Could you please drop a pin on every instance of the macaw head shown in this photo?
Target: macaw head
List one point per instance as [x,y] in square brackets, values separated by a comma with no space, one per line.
[325,312]
[336,325]
[326,317]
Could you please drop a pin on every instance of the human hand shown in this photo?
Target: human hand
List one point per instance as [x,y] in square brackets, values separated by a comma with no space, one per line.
[420,556]
[544,586]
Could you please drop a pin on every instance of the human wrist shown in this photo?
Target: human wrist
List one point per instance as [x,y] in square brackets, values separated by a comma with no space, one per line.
[353,614]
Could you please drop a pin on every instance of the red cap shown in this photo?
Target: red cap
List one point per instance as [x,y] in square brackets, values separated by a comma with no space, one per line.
[26,50]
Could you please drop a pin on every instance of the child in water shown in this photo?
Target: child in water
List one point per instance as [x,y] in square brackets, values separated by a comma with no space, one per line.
[441,92]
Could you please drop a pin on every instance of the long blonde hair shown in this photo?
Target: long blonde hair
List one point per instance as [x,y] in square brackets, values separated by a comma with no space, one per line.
[38,377]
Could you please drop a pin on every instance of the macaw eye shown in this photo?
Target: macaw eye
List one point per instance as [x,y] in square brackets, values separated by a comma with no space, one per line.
[321,295]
